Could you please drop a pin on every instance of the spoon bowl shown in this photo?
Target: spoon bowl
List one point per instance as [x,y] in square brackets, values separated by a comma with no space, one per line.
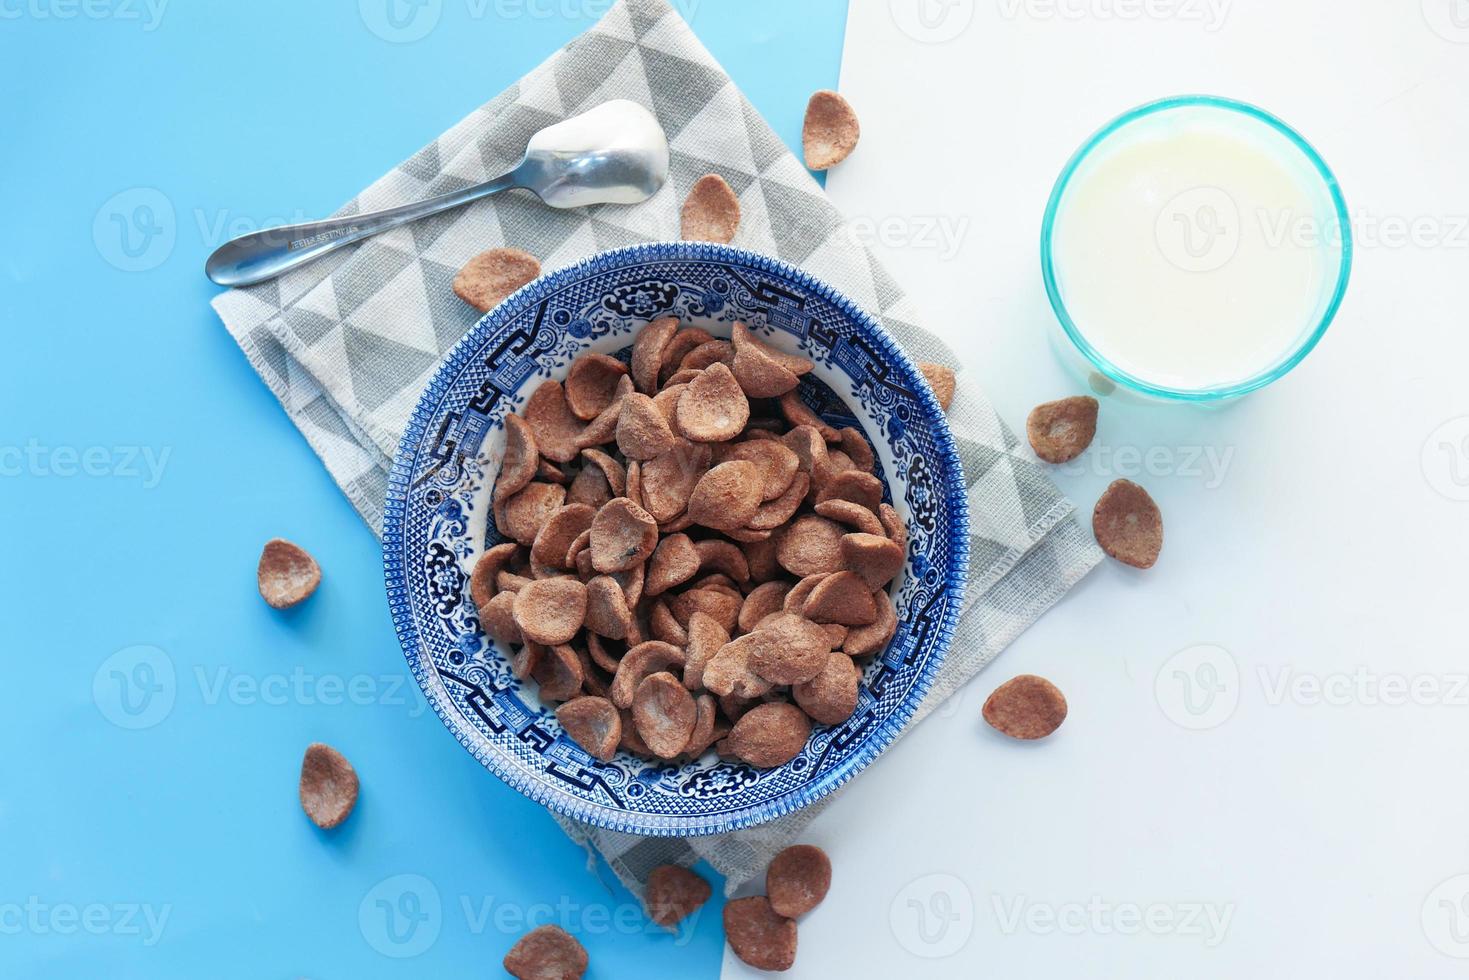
[615,153]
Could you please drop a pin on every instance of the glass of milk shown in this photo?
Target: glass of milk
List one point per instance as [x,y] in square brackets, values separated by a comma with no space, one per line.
[1195,249]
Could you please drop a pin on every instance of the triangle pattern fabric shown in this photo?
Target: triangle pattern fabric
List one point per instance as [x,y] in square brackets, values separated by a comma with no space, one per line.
[710,136]
[574,81]
[628,80]
[377,362]
[680,88]
[686,171]
[542,94]
[347,343]
[450,316]
[798,239]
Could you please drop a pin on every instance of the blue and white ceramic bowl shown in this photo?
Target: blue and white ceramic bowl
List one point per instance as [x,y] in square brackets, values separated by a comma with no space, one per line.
[436,526]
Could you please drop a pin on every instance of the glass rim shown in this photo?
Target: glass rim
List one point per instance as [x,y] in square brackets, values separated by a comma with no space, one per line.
[1271,374]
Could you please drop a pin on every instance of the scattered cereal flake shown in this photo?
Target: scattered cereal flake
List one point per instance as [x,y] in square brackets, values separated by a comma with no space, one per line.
[797,880]
[490,277]
[941,380]
[830,132]
[712,211]
[1026,707]
[1128,524]
[852,514]
[328,787]
[797,414]
[287,574]
[777,462]
[1060,431]
[642,431]
[522,516]
[675,561]
[706,638]
[760,936]
[546,953]
[558,529]
[607,609]
[487,569]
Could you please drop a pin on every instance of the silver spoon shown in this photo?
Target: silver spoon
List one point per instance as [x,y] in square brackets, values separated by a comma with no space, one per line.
[613,154]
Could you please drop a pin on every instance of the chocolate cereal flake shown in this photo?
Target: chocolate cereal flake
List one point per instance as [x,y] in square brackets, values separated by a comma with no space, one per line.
[1060,431]
[1026,707]
[1128,524]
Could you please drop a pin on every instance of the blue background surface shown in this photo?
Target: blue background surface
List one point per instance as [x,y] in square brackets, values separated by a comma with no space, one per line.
[154,709]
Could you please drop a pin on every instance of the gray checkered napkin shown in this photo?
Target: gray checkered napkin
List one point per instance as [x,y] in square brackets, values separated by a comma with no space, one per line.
[348,343]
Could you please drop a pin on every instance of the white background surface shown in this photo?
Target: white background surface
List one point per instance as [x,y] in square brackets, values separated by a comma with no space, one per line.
[1323,547]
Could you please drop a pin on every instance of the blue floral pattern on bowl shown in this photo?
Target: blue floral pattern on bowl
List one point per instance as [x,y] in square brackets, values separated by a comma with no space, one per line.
[435,525]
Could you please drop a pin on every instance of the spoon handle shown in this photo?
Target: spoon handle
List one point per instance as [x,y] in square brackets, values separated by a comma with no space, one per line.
[265,254]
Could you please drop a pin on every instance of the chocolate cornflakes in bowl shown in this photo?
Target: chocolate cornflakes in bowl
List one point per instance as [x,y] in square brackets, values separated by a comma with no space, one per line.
[675,540]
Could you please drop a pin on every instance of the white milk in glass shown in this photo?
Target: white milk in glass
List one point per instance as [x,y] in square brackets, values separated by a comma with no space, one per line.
[1196,248]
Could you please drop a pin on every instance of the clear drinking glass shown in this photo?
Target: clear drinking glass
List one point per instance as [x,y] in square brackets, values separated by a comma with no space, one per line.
[1185,242]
